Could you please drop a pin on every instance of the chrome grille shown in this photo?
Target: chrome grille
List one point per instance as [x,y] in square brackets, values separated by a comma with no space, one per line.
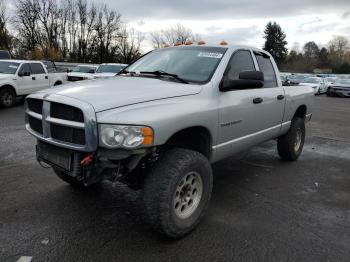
[62,121]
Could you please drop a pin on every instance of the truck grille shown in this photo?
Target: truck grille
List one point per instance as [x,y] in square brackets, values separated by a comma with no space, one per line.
[68,134]
[66,112]
[61,124]
[35,124]
[35,105]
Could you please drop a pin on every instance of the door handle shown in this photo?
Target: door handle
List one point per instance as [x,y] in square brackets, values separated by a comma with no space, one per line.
[258,100]
[280,97]
[33,78]
[46,77]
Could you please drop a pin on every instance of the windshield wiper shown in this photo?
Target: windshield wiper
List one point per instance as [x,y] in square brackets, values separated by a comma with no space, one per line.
[124,71]
[162,73]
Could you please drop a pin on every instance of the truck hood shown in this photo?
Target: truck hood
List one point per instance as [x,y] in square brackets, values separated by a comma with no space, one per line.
[6,76]
[80,74]
[104,75]
[104,94]
[340,86]
[310,84]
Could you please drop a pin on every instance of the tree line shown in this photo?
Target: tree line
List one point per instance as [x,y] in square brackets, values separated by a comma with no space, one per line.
[67,30]
[333,58]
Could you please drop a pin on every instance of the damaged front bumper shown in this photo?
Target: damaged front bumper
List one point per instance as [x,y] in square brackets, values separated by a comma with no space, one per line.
[92,167]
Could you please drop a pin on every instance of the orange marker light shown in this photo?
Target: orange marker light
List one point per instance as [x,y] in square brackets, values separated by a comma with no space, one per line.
[201,42]
[148,136]
[178,43]
[165,46]
[223,42]
[189,43]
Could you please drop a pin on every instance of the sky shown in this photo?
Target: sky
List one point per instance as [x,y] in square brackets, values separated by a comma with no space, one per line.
[240,21]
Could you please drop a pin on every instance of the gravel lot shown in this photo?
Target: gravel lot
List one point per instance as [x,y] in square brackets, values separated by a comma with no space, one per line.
[262,209]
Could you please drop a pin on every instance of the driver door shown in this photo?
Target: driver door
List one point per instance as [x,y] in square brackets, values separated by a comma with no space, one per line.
[25,82]
[249,116]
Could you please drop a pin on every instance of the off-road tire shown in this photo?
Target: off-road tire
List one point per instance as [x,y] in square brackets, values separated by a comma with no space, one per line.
[287,144]
[161,185]
[7,97]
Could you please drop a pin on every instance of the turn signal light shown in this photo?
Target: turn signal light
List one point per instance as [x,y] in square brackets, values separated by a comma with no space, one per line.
[148,136]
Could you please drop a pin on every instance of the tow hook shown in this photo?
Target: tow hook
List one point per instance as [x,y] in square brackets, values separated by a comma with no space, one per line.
[86,160]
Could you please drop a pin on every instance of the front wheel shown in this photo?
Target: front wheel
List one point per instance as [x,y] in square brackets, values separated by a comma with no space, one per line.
[291,144]
[177,192]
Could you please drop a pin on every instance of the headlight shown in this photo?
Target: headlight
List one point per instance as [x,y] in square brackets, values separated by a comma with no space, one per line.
[115,136]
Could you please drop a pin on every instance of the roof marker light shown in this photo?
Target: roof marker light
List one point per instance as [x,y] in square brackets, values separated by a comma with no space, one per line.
[189,43]
[201,42]
[223,42]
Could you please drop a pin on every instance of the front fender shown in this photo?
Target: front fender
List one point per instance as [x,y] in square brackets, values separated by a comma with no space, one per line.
[167,116]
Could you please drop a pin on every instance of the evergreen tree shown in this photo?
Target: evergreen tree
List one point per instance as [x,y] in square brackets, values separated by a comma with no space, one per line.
[275,42]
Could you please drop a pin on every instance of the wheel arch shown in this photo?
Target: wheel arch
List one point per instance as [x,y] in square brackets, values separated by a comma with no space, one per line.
[197,138]
[301,112]
[9,87]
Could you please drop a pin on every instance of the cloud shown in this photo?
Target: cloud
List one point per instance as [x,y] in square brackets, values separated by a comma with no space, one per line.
[236,36]
[346,15]
[224,9]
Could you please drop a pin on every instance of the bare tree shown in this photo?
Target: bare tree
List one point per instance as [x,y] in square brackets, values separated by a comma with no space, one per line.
[26,20]
[129,45]
[107,30]
[339,50]
[177,34]
[5,37]
[157,39]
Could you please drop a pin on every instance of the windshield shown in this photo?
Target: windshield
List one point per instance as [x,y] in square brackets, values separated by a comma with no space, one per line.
[9,68]
[84,69]
[311,80]
[343,81]
[4,54]
[191,63]
[109,68]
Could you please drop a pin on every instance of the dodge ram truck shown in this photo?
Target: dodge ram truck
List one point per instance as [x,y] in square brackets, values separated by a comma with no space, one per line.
[160,124]
[21,77]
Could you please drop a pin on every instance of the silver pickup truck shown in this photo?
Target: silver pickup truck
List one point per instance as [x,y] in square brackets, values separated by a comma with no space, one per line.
[160,124]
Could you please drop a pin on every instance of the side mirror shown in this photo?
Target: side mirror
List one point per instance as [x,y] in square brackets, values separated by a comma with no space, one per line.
[247,80]
[21,74]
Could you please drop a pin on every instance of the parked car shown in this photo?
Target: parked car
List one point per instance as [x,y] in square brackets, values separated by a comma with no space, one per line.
[5,54]
[317,83]
[20,78]
[330,81]
[82,72]
[52,68]
[108,70]
[174,112]
[341,87]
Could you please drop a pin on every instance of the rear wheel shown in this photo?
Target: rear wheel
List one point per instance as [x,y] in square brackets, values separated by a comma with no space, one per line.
[291,144]
[7,97]
[177,192]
